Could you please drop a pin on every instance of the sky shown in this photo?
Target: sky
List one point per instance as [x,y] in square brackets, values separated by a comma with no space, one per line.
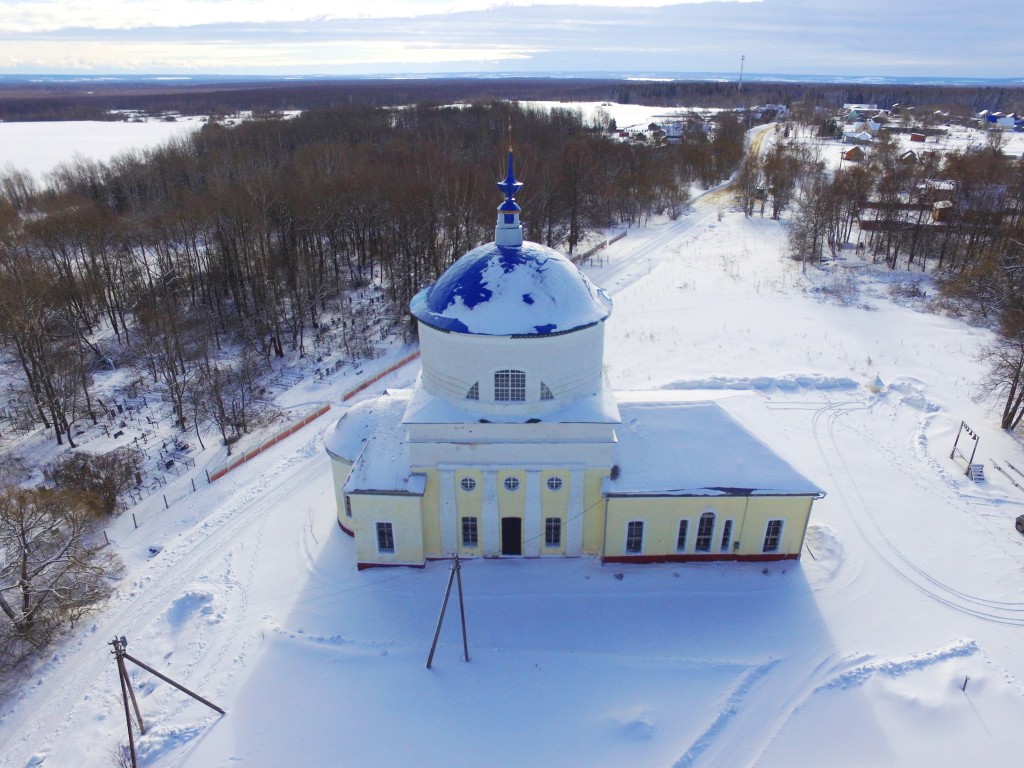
[895,38]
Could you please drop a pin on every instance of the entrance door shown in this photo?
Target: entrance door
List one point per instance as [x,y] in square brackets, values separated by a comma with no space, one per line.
[511,536]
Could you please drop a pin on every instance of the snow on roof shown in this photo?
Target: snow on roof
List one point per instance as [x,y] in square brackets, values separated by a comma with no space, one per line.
[373,432]
[499,290]
[425,408]
[669,446]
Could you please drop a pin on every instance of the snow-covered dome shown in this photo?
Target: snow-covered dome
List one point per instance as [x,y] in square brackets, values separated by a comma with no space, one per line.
[499,290]
[513,330]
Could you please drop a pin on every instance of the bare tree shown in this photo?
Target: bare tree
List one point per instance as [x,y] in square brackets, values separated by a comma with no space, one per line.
[1005,360]
[52,570]
[106,476]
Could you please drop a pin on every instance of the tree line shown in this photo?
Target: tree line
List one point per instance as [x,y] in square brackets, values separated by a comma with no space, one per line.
[197,262]
[91,100]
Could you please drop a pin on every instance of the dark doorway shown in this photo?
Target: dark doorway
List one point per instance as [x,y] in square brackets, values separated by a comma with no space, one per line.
[511,536]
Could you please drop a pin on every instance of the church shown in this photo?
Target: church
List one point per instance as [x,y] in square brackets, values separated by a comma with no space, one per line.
[512,444]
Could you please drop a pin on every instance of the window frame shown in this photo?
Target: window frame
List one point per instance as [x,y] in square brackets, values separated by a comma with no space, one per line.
[705,533]
[555,483]
[467,484]
[780,524]
[511,484]
[726,535]
[635,537]
[470,532]
[552,532]
[681,535]
[474,392]
[385,535]
[545,392]
[510,386]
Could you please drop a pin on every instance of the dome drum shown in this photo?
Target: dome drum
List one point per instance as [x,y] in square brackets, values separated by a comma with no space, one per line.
[532,375]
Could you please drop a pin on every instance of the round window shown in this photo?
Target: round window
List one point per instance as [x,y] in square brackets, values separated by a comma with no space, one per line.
[511,483]
[554,483]
[467,483]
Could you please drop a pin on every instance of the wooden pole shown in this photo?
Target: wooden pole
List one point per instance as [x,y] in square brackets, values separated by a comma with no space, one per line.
[180,687]
[440,619]
[118,648]
[462,607]
[131,691]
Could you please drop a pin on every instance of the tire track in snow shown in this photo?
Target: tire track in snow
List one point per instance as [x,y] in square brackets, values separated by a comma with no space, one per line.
[998,611]
[623,271]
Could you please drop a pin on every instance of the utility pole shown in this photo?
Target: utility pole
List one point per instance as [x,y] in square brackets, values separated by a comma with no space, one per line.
[456,574]
[739,89]
[120,644]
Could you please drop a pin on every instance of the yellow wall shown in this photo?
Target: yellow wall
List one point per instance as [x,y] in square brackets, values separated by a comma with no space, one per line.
[593,511]
[750,516]
[469,504]
[554,504]
[511,503]
[403,512]
[430,513]
[794,510]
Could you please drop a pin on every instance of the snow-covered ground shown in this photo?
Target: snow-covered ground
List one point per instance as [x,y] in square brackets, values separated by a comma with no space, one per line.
[38,148]
[856,655]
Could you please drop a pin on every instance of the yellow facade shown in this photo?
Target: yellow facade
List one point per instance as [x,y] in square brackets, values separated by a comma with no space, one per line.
[594,512]
[403,513]
[470,504]
[743,538]
[554,504]
[430,512]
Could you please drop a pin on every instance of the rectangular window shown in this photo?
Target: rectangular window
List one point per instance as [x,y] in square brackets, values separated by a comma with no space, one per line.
[553,532]
[385,538]
[635,537]
[726,535]
[510,386]
[348,506]
[681,537]
[470,532]
[704,529]
[772,536]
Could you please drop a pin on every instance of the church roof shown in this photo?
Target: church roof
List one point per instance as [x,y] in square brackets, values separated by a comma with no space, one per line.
[372,432]
[668,446]
[497,290]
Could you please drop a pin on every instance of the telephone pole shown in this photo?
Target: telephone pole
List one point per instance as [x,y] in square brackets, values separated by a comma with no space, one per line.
[739,88]
[456,574]
[120,654]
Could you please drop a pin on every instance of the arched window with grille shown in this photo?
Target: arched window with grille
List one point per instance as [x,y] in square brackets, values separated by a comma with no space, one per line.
[705,528]
[474,392]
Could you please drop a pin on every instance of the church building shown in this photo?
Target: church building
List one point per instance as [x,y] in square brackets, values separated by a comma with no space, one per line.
[511,443]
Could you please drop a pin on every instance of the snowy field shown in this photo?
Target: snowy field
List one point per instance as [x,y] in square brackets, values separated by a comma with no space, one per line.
[39,147]
[857,655]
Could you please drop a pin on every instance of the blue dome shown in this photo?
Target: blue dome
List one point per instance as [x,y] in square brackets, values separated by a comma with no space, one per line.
[525,290]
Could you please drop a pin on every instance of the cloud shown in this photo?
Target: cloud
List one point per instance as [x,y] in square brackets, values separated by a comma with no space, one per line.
[872,37]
